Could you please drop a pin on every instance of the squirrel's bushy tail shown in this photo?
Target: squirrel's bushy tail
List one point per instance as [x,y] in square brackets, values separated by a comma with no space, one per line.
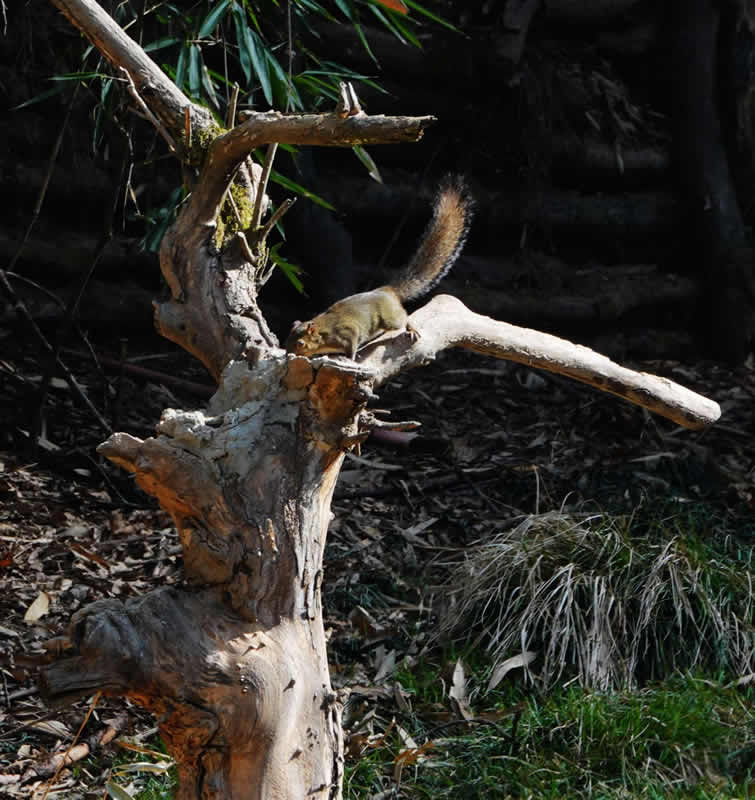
[442,241]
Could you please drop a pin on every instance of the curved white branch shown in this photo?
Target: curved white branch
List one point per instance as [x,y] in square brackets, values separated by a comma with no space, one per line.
[446,322]
[164,99]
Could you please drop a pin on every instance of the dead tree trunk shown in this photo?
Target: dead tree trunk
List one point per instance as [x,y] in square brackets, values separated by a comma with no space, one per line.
[234,662]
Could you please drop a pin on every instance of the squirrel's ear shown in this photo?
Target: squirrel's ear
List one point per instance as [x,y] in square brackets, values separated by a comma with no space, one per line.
[310,328]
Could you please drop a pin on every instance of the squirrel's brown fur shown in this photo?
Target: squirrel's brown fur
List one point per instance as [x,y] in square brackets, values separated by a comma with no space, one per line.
[356,320]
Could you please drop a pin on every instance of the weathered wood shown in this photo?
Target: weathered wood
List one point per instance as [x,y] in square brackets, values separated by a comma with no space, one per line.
[165,100]
[245,708]
[237,669]
[446,322]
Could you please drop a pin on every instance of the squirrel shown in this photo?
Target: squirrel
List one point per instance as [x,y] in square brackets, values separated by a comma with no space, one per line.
[353,322]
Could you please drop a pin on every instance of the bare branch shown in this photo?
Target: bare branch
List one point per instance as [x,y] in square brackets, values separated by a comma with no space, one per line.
[151,117]
[259,128]
[267,168]
[446,322]
[275,217]
[230,118]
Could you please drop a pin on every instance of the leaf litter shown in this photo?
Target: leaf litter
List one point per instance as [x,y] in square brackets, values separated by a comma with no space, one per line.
[501,444]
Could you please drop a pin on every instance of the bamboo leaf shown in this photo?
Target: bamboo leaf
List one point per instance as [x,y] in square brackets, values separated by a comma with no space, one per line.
[181,66]
[158,44]
[397,28]
[365,43]
[368,161]
[209,87]
[79,76]
[400,25]
[242,40]
[260,55]
[195,70]
[393,5]
[346,10]
[337,72]
[290,270]
[297,188]
[315,8]
[252,16]
[158,768]
[212,19]
[429,14]
[285,90]
[319,88]
[160,220]
[117,792]
[38,98]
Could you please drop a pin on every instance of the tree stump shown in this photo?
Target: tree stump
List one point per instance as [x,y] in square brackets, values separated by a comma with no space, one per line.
[233,662]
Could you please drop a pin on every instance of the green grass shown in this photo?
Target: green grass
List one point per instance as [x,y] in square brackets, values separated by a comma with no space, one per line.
[157,785]
[685,738]
[132,774]
[643,623]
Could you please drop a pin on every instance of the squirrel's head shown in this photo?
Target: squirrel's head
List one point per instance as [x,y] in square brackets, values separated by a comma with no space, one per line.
[304,339]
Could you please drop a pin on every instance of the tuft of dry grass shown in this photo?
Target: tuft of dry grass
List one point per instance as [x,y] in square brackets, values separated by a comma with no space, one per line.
[597,600]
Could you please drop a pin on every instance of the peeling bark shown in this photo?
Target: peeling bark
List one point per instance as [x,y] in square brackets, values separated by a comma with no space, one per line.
[234,664]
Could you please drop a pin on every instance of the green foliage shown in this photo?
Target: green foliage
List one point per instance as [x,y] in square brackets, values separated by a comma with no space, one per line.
[297,188]
[209,46]
[291,271]
[144,773]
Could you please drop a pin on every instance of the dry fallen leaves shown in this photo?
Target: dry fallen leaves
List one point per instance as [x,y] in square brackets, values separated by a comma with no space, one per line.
[499,673]
[38,608]
[458,692]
